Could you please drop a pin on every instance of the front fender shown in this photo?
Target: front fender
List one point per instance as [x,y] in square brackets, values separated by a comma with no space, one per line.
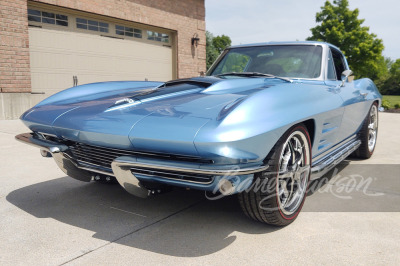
[93,91]
[250,130]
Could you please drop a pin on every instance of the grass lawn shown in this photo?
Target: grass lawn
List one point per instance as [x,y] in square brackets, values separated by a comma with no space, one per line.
[393,99]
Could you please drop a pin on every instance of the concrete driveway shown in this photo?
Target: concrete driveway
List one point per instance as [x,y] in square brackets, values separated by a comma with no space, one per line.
[48,218]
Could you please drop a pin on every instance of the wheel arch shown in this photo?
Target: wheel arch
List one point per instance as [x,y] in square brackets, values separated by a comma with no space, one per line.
[310,125]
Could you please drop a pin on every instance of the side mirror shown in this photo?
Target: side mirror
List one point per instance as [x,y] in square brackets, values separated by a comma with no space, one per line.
[346,75]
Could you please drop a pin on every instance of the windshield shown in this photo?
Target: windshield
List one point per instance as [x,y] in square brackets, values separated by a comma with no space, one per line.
[292,61]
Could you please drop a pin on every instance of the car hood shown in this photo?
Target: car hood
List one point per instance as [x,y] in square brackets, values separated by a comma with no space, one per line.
[162,117]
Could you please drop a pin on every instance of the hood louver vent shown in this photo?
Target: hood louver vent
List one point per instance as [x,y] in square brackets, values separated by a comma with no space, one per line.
[190,82]
[203,82]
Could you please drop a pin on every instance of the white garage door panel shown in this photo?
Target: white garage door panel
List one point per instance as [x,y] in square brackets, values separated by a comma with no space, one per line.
[57,56]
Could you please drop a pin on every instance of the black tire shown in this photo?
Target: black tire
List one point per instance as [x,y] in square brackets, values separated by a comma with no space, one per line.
[264,203]
[368,136]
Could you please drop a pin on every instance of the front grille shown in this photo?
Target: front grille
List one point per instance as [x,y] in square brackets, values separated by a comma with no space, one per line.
[96,155]
[100,158]
[175,175]
[103,156]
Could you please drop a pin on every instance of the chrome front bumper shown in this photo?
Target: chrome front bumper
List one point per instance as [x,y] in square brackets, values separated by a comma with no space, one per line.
[123,168]
[43,144]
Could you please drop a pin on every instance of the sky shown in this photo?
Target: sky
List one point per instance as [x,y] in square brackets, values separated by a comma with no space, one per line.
[252,21]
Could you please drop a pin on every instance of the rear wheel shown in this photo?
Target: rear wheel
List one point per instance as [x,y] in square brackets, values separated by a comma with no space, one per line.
[368,134]
[278,194]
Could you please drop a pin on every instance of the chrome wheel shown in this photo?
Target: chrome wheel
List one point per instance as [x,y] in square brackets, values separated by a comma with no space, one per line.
[294,171]
[277,194]
[372,127]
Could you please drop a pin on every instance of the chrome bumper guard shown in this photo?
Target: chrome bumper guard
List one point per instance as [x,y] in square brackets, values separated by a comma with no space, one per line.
[122,166]
[68,166]
[43,144]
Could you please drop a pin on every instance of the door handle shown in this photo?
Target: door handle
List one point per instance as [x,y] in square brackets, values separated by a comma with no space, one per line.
[364,95]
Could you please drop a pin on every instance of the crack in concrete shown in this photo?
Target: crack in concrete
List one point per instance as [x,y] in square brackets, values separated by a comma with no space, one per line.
[140,227]
[8,133]
[376,190]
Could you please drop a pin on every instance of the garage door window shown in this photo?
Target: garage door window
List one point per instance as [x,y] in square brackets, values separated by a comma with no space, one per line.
[156,36]
[127,31]
[93,25]
[47,17]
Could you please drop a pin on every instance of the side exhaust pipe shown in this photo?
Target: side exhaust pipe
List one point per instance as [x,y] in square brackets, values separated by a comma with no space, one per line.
[226,187]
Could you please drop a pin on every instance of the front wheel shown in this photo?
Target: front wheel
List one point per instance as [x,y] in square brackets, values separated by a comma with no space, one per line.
[278,194]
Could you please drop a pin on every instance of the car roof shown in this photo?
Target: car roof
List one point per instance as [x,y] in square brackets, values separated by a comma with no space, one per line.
[284,43]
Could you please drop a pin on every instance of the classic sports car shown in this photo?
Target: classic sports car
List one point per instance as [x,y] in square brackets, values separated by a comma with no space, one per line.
[264,121]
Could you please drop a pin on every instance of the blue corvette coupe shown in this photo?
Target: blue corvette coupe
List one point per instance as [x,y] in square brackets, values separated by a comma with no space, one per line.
[264,121]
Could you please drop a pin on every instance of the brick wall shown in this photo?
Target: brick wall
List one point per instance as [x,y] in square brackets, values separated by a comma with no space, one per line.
[14,47]
[191,9]
[186,17]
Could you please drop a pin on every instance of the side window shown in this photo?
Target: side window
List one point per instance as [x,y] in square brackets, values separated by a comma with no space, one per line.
[338,62]
[331,67]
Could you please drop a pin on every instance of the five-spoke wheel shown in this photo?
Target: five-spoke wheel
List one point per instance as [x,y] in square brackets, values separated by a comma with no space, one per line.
[281,190]
[293,173]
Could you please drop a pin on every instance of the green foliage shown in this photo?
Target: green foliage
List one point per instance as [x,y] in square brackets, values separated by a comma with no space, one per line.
[397,106]
[211,51]
[221,42]
[379,82]
[386,104]
[340,26]
[389,84]
[215,46]
[395,68]
[390,101]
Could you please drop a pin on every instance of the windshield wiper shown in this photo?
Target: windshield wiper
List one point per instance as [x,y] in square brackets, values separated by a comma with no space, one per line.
[246,74]
[252,74]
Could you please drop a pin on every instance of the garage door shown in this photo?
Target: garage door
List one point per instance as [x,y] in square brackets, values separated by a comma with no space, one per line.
[66,49]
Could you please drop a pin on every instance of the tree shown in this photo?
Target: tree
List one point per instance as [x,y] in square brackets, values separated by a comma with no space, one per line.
[383,77]
[215,46]
[211,52]
[395,68]
[390,85]
[340,26]
[221,42]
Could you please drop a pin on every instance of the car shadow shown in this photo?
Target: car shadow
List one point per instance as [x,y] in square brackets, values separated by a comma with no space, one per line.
[320,183]
[179,223]
[352,187]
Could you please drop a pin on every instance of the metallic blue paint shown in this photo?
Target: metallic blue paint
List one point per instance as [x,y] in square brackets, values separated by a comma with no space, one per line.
[232,121]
